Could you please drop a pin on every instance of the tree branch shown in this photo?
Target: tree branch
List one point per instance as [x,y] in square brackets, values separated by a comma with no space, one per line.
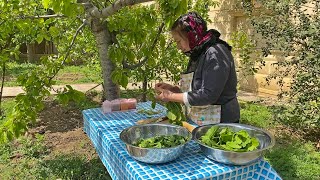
[97,2]
[127,66]
[70,46]
[93,88]
[42,16]
[2,84]
[113,8]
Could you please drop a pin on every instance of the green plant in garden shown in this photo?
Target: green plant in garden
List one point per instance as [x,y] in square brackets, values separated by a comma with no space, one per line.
[292,27]
[147,53]
[21,23]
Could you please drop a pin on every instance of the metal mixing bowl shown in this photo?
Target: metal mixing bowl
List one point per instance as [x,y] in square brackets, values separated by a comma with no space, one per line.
[266,141]
[153,155]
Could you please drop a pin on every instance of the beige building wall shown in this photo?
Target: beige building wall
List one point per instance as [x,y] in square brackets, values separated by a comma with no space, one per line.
[228,20]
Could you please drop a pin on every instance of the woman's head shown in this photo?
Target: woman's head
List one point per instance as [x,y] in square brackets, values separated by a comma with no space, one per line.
[188,31]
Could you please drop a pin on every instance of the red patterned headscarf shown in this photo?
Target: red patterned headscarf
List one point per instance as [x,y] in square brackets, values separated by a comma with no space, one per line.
[195,27]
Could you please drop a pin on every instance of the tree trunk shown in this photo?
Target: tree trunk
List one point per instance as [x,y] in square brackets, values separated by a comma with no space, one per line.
[2,84]
[144,88]
[31,53]
[103,38]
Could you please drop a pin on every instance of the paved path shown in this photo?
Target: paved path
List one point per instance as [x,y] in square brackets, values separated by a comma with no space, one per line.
[13,91]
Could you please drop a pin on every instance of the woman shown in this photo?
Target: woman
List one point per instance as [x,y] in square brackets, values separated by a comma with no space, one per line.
[208,87]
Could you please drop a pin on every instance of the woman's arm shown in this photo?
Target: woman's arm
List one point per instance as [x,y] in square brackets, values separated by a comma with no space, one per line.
[166,96]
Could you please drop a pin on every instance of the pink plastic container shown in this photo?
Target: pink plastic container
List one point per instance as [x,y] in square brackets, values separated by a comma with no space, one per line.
[124,104]
[132,103]
[106,106]
[120,104]
[115,105]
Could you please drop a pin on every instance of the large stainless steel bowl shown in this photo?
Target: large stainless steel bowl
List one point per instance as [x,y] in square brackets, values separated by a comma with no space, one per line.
[236,158]
[153,155]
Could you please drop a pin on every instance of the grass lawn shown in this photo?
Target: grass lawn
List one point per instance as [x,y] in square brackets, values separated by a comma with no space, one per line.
[70,155]
[68,75]
[293,157]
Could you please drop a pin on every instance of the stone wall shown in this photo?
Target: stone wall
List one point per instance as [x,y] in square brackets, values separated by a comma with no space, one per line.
[228,20]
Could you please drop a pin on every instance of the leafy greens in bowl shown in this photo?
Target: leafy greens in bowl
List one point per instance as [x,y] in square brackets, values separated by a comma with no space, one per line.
[227,139]
[233,143]
[163,141]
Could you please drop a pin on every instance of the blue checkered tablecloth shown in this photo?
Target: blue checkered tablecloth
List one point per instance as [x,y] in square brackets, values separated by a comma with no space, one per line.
[104,131]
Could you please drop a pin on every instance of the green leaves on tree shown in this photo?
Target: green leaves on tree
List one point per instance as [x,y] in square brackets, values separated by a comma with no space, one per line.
[69,94]
[120,77]
[172,9]
[203,7]
[66,7]
[297,43]
[250,60]
[21,24]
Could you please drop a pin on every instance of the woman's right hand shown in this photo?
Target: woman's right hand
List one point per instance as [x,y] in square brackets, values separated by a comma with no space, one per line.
[161,86]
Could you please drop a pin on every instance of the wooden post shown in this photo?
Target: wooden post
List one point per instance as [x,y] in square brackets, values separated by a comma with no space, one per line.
[31,53]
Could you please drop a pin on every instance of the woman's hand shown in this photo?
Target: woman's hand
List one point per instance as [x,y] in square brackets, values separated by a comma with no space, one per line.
[161,86]
[164,95]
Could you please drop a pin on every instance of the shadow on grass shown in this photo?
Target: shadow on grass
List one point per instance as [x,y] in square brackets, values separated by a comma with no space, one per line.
[74,167]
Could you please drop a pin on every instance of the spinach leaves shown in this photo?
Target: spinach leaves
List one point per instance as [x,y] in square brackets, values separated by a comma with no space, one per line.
[164,141]
[226,139]
[175,113]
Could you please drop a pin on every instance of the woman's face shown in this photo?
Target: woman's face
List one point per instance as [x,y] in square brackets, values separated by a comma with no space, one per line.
[182,43]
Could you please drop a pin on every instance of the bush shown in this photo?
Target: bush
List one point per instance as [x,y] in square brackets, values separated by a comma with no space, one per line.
[292,27]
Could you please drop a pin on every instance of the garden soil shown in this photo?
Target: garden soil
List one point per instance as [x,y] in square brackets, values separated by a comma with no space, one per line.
[63,130]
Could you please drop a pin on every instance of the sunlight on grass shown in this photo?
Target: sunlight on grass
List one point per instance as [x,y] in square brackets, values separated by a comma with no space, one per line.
[295,160]
[29,159]
[79,75]
[67,75]
[256,115]
[292,158]
[6,107]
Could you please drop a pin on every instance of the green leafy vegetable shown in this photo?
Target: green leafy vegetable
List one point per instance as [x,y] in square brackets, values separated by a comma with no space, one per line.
[164,141]
[148,112]
[175,113]
[153,104]
[226,139]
